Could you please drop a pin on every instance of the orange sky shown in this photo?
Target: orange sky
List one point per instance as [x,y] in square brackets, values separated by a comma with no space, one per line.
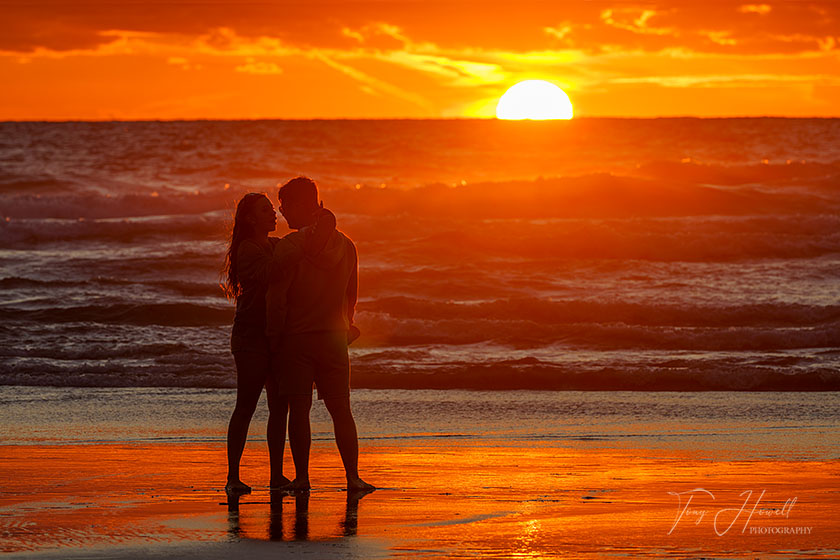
[407,58]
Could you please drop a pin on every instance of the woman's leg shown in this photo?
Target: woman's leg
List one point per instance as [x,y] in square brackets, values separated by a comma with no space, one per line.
[251,372]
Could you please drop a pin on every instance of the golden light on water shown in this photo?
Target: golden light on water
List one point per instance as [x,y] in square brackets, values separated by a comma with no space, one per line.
[534,100]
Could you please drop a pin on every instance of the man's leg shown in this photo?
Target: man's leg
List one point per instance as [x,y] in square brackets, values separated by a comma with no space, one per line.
[278,410]
[347,440]
[300,439]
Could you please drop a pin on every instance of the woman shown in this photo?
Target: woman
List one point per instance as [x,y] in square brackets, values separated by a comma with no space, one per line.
[250,264]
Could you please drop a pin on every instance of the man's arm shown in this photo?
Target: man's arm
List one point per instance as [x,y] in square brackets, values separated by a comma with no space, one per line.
[307,242]
[353,331]
[353,286]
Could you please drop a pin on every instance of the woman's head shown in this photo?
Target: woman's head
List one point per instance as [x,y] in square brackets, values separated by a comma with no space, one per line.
[254,218]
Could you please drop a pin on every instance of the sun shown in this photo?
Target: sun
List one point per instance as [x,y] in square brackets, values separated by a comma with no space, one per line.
[536,100]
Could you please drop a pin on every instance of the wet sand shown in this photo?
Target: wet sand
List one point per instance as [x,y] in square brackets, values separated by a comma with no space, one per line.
[458,499]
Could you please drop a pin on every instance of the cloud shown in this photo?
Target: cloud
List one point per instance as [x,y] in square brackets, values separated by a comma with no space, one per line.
[251,66]
[702,27]
[378,35]
[459,69]
[760,9]
[558,33]
[731,81]
[635,20]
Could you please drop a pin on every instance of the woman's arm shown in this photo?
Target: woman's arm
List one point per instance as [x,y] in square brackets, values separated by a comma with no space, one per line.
[256,266]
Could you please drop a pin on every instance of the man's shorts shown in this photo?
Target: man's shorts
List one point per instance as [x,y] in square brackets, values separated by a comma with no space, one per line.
[299,360]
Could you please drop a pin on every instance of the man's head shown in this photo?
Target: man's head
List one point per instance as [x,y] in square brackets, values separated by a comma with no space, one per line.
[299,202]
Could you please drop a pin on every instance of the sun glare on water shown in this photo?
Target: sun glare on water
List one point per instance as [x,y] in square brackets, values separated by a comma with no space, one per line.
[535,100]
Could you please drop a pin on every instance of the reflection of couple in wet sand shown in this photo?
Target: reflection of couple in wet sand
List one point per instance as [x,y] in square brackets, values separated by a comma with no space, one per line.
[284,527]
[295,299]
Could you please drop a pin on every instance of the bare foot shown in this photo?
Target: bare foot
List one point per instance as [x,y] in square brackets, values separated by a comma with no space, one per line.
[237,487]
[356,483]
[279,484]
[296,486]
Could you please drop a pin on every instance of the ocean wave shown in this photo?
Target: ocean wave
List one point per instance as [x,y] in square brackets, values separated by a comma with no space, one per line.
[546,311]
[17,282]
[501,376]
[27,232]
[506,377]
[790,172]
[180,287]
[517,322]
[524,333]
[97,205]
[95,351]
[27,183]
[170,314]
[599,195]
[664,189]
[455,241]
[44,372]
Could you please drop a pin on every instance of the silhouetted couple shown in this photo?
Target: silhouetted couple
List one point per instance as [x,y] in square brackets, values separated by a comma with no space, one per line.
[295,300]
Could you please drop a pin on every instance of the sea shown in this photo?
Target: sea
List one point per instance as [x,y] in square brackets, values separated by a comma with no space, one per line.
[595,254]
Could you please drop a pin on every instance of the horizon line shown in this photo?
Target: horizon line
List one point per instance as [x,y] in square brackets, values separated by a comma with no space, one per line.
[307,119]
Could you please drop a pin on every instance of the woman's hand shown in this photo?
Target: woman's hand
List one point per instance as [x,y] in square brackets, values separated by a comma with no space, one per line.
[319,233]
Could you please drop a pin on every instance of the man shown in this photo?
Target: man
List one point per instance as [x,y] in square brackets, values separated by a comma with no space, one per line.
[309,324]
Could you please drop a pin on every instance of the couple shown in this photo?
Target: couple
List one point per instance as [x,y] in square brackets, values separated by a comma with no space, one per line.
[295,299]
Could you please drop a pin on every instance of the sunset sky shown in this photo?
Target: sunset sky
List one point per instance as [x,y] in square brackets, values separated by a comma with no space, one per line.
[418,59]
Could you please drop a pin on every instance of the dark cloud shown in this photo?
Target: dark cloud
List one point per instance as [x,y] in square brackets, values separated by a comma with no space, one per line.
[65,25]
[788,27]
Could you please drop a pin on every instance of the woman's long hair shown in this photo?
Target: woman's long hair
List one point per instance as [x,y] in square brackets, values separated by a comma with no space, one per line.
[242,229]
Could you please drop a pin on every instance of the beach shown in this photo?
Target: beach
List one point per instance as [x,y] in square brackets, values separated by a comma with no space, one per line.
[762,485]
